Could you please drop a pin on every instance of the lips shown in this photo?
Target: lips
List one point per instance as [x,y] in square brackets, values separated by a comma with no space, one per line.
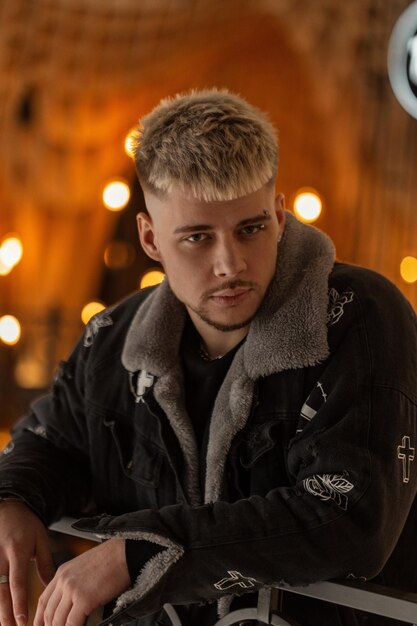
[227,293]
[230,297]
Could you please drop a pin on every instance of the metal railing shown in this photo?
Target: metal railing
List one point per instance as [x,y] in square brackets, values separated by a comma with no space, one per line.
[364,596]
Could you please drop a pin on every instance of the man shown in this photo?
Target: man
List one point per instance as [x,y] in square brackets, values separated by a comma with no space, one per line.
[250,420]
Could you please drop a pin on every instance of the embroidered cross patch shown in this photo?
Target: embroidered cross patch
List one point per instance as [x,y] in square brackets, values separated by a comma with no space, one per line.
[235,579]
[406,455]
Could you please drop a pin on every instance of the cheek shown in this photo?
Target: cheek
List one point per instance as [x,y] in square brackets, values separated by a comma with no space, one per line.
[184,274]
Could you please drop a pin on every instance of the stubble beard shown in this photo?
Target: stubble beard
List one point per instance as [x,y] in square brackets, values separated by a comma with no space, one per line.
[226,328]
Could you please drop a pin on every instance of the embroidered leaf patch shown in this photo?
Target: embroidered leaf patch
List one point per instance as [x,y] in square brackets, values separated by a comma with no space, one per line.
[97,321]
[337,303]
[329,487]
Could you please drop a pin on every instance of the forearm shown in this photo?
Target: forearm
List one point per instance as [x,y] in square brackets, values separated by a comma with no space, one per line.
[48,479]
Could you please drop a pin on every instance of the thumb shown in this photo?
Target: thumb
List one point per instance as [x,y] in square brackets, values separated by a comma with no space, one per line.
[44,563]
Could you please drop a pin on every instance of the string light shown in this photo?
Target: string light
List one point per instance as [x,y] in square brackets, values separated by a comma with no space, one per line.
[90,309]
[130,141]
[151,278]
[4,270]
[307,205]
[11,252]
[10,330]
[116,195]
[408,269]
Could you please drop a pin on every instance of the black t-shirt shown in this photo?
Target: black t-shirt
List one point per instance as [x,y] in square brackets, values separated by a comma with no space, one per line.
[202,381]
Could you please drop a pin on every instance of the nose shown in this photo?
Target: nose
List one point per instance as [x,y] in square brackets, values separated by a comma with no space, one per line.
[229,259]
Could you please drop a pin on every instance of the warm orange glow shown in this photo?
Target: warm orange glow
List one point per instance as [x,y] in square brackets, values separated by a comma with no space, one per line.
[116,195]
[3,269]
[10,330]
[130,141]
[408,269]
[307,205]
[11,251]
[4,438]
[119,254]
[90,309]
[31,372]
[151,278]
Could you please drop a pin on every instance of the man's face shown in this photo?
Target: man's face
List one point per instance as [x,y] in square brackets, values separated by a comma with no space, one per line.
[219,257]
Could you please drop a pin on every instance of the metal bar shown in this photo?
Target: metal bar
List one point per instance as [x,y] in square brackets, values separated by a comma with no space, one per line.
[244,615]
[358,595]
[264,605]
[364,596]
[64,526]
[172,614]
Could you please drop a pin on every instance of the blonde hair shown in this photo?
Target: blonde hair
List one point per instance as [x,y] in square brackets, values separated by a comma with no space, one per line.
[211,143]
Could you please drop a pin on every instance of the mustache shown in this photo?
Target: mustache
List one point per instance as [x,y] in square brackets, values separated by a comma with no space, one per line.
[230,284]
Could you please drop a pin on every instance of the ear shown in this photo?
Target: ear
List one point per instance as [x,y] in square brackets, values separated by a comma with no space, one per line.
[147,237]
[280,209]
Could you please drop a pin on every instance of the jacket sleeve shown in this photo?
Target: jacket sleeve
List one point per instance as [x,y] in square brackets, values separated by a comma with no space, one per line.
[352,472]
[44,464]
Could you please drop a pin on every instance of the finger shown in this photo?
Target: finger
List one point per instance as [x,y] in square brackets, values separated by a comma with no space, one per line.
[18,591]
[61,612]
[6,606]
[43,601]
[76,617]
[57,608]
[44,563]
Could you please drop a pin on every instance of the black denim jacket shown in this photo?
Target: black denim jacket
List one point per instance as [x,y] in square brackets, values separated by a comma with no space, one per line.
[311,469]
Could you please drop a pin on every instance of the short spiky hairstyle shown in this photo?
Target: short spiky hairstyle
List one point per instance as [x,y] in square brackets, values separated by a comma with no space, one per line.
[211,143]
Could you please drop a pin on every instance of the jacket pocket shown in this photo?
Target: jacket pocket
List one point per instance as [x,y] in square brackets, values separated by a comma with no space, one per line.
[140,458]
[262,456]
[262,438]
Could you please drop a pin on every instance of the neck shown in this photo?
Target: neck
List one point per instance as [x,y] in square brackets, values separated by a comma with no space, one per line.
[216,342]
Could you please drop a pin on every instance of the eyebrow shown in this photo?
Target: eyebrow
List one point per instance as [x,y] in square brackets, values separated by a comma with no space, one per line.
[262,217]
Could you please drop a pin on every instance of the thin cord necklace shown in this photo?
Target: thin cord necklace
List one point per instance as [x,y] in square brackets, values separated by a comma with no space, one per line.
[206,356]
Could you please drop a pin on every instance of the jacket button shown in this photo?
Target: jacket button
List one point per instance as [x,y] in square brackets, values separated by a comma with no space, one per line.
[128,469]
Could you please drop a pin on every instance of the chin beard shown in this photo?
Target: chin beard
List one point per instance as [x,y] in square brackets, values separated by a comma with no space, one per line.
[224,328]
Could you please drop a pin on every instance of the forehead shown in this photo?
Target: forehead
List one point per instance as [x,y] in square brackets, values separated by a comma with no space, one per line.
[176,208]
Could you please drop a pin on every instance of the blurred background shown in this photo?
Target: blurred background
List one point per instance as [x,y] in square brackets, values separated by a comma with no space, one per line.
[75,77]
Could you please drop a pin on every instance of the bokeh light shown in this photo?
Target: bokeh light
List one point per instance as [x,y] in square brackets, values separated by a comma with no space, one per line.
[32,371]
[116,195]
[10,330]
[4,270]
[307,205]
[130,141]
[151,278]
[408,269]
[11,251]
[119,254]
[90,309]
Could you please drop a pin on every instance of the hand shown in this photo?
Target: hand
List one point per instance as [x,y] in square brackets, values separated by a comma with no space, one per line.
[23,537]
[83,584]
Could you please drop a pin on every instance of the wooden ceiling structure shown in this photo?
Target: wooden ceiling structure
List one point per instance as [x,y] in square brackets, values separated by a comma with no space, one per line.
[76,75]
